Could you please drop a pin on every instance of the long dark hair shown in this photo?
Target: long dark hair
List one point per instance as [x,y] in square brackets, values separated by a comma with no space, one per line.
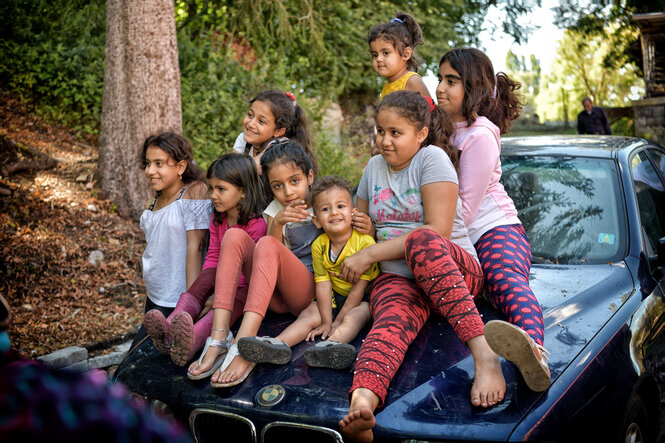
[284,153]
[240,171]
[178,148]
[402,35]
[415,108]
[288,115]
[485,94]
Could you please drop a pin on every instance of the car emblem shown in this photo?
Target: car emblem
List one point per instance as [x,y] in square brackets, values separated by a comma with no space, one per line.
[270,395]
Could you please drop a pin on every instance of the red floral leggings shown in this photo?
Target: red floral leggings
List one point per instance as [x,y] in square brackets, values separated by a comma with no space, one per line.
[447,278]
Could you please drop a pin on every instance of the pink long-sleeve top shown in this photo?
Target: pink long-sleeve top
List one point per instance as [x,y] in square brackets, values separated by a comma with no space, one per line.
[485,203]
[256,228]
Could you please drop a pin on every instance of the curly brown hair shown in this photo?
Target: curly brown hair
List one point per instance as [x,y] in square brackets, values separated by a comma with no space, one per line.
[501,105]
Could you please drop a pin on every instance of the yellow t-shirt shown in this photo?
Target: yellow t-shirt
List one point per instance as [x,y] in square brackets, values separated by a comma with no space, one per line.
[397,85]
[327,270]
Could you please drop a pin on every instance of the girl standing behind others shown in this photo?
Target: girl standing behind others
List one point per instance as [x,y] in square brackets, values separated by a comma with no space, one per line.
[174,221]
[482,106]
[392,47]
[237,198]
[272,116]
[278,268]
[427,261]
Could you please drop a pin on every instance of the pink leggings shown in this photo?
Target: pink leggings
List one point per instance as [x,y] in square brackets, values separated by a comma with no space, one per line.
[277,278]
[446,279]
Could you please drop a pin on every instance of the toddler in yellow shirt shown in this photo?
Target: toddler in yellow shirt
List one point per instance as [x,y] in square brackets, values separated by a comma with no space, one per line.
[341,308]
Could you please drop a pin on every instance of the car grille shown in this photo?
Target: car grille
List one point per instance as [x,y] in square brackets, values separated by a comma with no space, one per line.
[210,425]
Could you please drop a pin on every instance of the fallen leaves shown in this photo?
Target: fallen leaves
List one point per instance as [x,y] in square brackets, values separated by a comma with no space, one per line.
[48,230]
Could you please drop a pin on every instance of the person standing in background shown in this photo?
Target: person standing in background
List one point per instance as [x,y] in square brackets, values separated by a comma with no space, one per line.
[592,120]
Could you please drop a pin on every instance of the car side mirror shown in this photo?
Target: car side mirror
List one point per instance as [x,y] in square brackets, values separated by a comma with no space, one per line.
[660,252]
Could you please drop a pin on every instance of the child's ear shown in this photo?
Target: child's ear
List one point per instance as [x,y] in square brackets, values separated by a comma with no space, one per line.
[279,132]
[310,178]
[315,220]
[422,134]
[408,52]
[182,167]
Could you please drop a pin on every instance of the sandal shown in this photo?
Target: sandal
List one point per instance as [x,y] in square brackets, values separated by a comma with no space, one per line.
[330,354]
[264,350]
[517,346]
[233,353]
[182,332]
[157,327]
[225,344]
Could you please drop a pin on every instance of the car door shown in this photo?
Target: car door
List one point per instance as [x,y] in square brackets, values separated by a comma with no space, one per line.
[647,170]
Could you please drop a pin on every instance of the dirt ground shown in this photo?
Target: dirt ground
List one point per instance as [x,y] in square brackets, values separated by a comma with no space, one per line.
[51,226]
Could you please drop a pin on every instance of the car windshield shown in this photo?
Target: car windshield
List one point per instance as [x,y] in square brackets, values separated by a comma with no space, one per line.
[570,207]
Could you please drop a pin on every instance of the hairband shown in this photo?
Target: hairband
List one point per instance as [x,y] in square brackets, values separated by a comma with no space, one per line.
[431,103]
[396,20]
[495,82]
[292,97]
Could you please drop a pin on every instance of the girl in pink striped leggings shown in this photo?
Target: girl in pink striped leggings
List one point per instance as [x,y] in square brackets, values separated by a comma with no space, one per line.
[427,260]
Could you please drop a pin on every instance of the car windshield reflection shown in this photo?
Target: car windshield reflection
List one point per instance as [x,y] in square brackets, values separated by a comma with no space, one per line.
[570,207]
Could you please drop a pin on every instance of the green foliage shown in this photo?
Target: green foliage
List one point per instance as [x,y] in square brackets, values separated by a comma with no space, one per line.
[579,72]
[52,54]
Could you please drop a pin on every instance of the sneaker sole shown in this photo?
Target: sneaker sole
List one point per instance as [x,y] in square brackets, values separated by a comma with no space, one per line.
[513,344]
[258,351]
[337,356]
[156,327]
[182,329]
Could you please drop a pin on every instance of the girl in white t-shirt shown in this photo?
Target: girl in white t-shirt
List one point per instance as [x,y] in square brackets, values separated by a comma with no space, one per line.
[427,261]
[175,220]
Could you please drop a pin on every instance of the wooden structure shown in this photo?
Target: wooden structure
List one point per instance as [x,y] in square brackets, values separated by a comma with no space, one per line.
[650,112]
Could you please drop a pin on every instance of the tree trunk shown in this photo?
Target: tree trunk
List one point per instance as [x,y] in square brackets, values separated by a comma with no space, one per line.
[141,94]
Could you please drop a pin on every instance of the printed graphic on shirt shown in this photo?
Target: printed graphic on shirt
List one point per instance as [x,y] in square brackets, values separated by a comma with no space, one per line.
[395,214]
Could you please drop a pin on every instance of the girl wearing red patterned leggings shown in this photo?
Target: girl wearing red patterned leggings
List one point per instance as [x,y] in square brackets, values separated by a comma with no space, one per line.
[427,260]
[482,106]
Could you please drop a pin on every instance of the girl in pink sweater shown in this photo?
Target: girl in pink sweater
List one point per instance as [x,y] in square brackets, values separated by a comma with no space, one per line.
[482,106]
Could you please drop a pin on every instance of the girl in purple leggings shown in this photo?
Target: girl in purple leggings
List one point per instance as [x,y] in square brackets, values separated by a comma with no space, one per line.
[482,106]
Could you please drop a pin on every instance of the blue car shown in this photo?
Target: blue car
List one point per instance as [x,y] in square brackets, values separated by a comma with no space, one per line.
[594,211]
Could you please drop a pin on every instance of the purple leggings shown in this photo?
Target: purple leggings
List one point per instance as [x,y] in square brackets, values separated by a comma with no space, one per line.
[505,256]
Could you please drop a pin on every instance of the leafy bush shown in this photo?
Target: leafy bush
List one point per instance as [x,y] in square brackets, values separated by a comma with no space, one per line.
[52,54]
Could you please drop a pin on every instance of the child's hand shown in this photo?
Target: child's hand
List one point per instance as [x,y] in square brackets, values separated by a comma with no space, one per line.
[355,265]
[361,222]
[323,330]
[295,212]
[207,306]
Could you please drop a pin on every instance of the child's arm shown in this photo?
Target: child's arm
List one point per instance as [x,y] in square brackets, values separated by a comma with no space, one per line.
[324,303]
[476,168]
[195,239]
[354,298]
[439,206]
[416,83]
[294,212]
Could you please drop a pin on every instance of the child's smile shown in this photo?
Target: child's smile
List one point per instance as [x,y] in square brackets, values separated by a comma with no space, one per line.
[333,208]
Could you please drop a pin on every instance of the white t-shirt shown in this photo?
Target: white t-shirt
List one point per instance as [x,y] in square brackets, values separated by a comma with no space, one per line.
[240,143]
[395,201]
[165,256]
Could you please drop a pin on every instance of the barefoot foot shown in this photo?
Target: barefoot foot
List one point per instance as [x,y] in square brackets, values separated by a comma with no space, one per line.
[357,425]
[489,386]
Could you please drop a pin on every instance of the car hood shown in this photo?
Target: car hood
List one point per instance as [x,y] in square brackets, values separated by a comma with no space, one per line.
[429,396]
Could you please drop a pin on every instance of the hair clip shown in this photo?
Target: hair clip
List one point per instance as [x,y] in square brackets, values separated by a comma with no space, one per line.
[431,103]
[496,80]
[292,97]
[398,20]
